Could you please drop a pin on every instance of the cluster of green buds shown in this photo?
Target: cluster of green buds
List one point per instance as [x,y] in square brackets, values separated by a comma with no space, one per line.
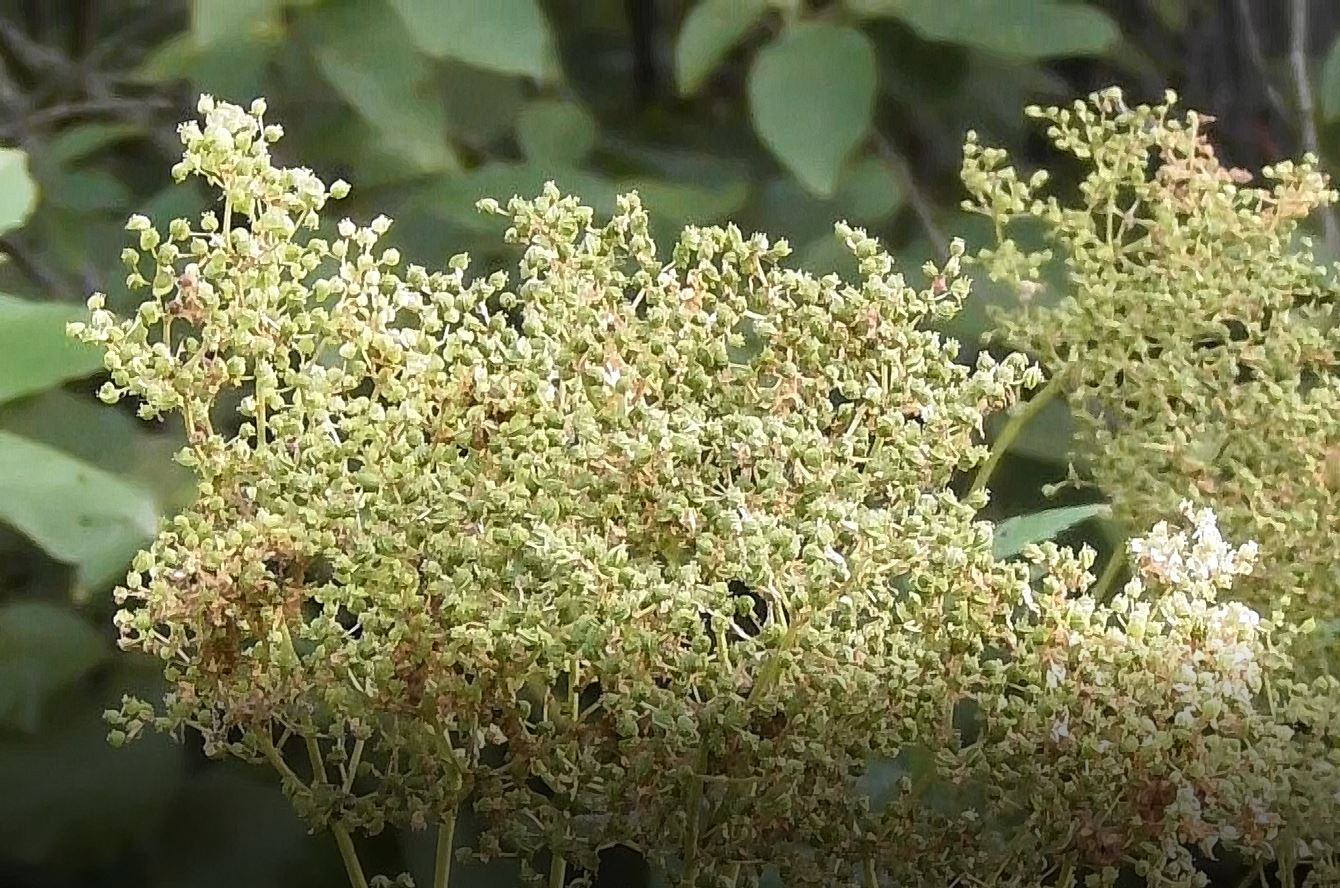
[661,552]
[1194,335]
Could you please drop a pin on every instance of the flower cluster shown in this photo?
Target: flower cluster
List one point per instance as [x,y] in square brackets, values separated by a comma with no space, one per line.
[661,552]
[1195,334]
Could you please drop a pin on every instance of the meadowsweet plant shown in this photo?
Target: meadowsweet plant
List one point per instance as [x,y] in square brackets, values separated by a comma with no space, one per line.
[1195,339]
[663,552]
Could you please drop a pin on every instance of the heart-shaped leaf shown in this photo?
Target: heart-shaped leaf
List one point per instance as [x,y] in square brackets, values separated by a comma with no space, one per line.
[812,96]
[710,30]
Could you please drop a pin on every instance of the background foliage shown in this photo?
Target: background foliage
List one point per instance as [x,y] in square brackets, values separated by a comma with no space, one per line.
[783,115]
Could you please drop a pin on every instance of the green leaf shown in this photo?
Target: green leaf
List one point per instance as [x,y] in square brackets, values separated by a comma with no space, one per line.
[868,191]
[43,648]
[508,36]
[367,60]
[215,21]
[69,794]
[202,846]
[711,29]
[88,191]
[18,192]
[482,106]
[75,512]
[35,353]
[812,95]
[235,70]
[673,205]
[454,197]
[1047,437]
[1015,534]
[881,784]
[555,132]
[109,439]
[76,143]
[867,194]
[1028,29]
[1330,84]
[683,204]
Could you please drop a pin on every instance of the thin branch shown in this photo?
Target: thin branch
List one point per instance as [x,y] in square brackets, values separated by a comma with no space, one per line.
[131,110]
[915,196]
[1258,59]
[1307,106]
[31,263]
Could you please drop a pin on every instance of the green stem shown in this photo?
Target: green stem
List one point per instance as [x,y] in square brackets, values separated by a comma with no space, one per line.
[1254,874]
[345,842]
[349,855]
[558,870]
[1110,573]
[1013,428]
[871,877]
[446,837]
[276,759]
[354,761]
[691,834]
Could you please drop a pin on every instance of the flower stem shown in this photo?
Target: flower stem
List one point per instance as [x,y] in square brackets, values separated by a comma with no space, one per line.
[349,855]
[1013,428]
[691,833]
[1115,562]
[446,835]
[871,877]
[558,870]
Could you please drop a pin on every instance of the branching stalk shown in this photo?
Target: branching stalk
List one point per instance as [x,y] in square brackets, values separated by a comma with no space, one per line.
[1012,429]
[446,836]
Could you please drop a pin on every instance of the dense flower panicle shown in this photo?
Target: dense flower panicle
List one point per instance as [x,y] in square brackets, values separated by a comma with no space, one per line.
[1195,335]
[661,552]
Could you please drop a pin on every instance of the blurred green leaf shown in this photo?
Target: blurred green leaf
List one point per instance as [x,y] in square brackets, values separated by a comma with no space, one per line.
[203,847]
[867,194]
[1028,29]
[35,353]
[213,21]
[110,439]
[711,29]
[235,70]
[43,647]
[673,205]
[1330,84]
[75,512]
[881,784]
[481,105]
[454,197]
[1047,437]
[812,95]
[78,142]
[868,191]
[685,204]
[509,36]
[366,59]
[18,192]
[555,132]
[1015,534]
[1172,13]
[87,191]
[69,796]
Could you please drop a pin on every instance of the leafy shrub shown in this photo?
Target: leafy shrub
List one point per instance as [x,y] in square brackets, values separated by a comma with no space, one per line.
[663,552]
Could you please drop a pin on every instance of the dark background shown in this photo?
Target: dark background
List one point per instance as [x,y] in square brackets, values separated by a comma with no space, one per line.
[424,114]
